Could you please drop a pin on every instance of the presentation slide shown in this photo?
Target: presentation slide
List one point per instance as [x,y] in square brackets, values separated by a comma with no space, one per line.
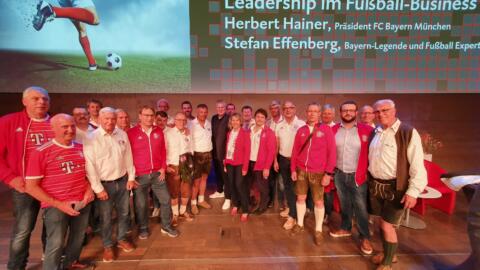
[241,46]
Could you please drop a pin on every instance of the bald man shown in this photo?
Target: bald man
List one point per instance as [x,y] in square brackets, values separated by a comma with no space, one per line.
[20,134]
[56,177]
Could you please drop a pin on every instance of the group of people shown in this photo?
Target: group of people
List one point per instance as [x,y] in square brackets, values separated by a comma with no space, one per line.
[83,167]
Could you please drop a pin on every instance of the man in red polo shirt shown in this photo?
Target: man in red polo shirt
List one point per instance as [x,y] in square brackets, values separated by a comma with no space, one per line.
[56,177]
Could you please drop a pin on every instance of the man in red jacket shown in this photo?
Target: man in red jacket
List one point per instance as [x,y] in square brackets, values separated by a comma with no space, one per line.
[20,134]
[312,166]
[149,159]
[350,178]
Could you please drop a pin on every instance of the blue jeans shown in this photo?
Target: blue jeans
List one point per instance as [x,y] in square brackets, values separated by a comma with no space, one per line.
[118,195]
[284,164]
[25,211]
[57,224]
[160,192]
[353,200]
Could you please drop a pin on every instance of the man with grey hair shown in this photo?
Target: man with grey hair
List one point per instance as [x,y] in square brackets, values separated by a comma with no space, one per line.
[56,177]
[367,116]
[81,118]
[123,119]
[111,173]
[397,175]
[20,134]
[163,106]
[328,115]
[219,140]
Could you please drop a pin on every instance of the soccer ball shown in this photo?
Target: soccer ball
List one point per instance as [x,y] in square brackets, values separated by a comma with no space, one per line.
[114,61]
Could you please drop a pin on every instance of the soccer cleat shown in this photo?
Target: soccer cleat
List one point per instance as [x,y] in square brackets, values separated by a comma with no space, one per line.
[92,67]
[44,13]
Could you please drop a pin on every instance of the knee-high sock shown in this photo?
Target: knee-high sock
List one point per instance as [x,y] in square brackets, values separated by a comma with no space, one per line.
[175,210]
[319,214]
[86,49]
[183,209]
[301,210]
[77,14]
[389,251]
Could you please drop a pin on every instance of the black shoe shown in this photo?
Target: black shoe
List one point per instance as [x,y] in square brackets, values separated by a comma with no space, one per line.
[44,13]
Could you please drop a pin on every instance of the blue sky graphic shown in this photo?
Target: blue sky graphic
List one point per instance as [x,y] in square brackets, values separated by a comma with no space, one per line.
[126,26]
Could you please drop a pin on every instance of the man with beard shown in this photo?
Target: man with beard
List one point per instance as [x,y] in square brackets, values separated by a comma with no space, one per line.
[187,110]
[93,108]
[351,139]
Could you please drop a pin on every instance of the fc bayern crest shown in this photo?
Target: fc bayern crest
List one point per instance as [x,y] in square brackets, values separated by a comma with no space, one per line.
[155,136]
[319,134]
[364,138]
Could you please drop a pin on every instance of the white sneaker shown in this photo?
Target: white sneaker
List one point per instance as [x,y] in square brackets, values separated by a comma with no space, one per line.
[155,212]
[226,204]
[217,195]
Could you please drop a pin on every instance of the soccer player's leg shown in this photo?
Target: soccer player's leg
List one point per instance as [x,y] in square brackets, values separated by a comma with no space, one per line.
[77,10]
[85,43]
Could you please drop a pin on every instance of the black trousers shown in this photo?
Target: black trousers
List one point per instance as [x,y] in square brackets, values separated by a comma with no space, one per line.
[239,188]
[220,175]
[262,186]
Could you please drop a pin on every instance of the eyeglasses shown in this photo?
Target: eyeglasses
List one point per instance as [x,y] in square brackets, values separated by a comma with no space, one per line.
[384,111]
[288,108]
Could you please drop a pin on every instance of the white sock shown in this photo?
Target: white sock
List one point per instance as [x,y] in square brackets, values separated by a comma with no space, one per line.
[319,214]
[183,208]
[201,198]
[193,202]
[175,209]
[301,210]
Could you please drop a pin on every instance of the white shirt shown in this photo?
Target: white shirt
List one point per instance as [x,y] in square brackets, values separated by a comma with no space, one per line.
[201,136]
[286,135]
[107,157]
[382,158]
[231,143]
[177,144]
[81,135]
[348,148]
[273,125]
[255,142]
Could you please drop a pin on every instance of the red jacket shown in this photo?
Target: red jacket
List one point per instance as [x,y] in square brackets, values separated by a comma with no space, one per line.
[319,155]
[13,133]
[241,155]
[266,150]
[149,152]
[364,132]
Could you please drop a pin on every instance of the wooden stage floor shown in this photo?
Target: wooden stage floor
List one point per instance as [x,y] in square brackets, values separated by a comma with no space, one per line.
[216,240]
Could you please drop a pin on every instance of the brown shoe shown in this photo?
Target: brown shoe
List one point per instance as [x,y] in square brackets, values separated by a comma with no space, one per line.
[108,255]
[126,246]
[340,233]
[186,216]
[384,267]
[378,258]
[194,209]
[318,238]
[296,230]
[204,204]
[366,247]
[174,221]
